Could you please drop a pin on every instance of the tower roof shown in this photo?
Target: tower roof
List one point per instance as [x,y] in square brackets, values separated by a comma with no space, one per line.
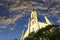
[33,9]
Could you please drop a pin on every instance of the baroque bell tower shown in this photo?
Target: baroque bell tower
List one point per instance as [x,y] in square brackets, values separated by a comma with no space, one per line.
[34,24]
[33,18]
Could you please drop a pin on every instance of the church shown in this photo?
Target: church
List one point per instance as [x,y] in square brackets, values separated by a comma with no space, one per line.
[34,24]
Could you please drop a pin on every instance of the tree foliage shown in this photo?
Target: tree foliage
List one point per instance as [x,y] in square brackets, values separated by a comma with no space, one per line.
[50,32]
[15,39]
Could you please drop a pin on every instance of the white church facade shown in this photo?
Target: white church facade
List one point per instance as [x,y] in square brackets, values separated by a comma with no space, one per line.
[34,24]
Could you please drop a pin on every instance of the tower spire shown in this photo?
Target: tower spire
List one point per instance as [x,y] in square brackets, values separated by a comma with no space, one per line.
[33,17]
[33,9]
[22,35]
[47,21]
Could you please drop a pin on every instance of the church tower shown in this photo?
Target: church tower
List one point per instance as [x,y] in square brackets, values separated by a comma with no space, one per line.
[33,21]
[33,18]
[34,24]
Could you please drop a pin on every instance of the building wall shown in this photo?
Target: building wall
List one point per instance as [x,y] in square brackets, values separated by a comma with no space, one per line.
[34,24]
[41,24]
[34,27]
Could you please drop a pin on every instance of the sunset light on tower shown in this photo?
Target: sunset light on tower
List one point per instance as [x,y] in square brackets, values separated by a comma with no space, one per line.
[18,18]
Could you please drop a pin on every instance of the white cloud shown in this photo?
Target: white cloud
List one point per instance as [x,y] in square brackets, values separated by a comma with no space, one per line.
[55,0]
[2,27]
[1,4]
[12,28]
[25,25]
[41,7]
[54,12]
[44,0]
[32,2]
[23,5]
[17,8]
[10,20]
[12,0]
[58,20]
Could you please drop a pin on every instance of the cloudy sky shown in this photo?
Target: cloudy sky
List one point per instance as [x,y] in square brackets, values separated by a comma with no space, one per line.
[14,15]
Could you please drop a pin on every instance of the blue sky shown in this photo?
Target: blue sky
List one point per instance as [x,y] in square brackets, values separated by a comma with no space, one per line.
[15,14]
